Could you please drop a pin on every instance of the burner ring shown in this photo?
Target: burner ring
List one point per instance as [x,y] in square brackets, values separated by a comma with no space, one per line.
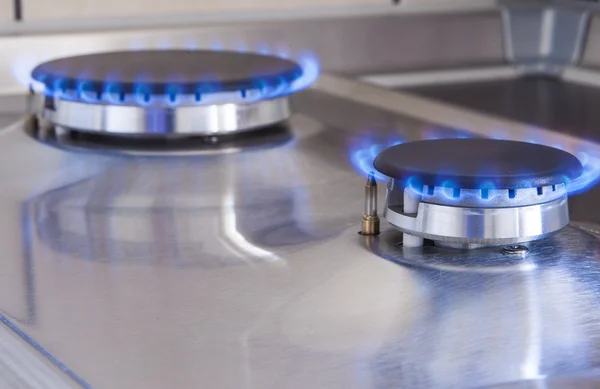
[164,72]
[215,119]
[491,198]
[478,163]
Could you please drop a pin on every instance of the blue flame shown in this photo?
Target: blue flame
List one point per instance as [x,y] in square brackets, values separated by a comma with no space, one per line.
[488,192]
[310,72]
[259,89]
[364,151]
[415,185]
[173,93]
[590,176]
[112,92]
[367,145]
[86,92]
[365,148]
[143,93]
[449,189]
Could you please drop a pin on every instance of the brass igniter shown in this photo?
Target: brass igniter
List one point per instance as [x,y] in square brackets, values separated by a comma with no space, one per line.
[370,219]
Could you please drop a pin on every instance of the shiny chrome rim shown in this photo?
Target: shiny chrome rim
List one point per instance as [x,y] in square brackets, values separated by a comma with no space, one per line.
[217,119]
[482,226]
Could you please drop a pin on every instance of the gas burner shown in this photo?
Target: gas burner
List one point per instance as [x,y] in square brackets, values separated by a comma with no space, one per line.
[469,193]
[160,93]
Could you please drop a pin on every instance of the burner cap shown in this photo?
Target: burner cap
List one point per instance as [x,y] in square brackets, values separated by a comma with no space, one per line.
[170,71]
[471,163]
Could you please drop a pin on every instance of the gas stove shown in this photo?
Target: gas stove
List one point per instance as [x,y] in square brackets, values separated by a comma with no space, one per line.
[178,233]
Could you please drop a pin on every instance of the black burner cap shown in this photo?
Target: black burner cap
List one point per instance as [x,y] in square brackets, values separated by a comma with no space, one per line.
[167,71]
[476,163]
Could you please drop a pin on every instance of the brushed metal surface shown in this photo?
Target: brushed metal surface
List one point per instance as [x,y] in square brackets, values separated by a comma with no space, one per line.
[349,45]
[245,270]
[495,198]
[535,307]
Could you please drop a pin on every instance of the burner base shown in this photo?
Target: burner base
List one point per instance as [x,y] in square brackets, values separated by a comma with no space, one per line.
[481,226]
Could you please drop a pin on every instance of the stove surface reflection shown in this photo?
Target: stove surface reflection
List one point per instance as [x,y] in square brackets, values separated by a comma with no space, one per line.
[245,270]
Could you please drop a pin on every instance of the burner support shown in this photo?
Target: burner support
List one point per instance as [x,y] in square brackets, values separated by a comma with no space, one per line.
[215,119]
[470,226]
[410,210]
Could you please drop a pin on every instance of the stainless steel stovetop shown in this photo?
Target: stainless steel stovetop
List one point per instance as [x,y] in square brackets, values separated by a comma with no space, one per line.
[244,269]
